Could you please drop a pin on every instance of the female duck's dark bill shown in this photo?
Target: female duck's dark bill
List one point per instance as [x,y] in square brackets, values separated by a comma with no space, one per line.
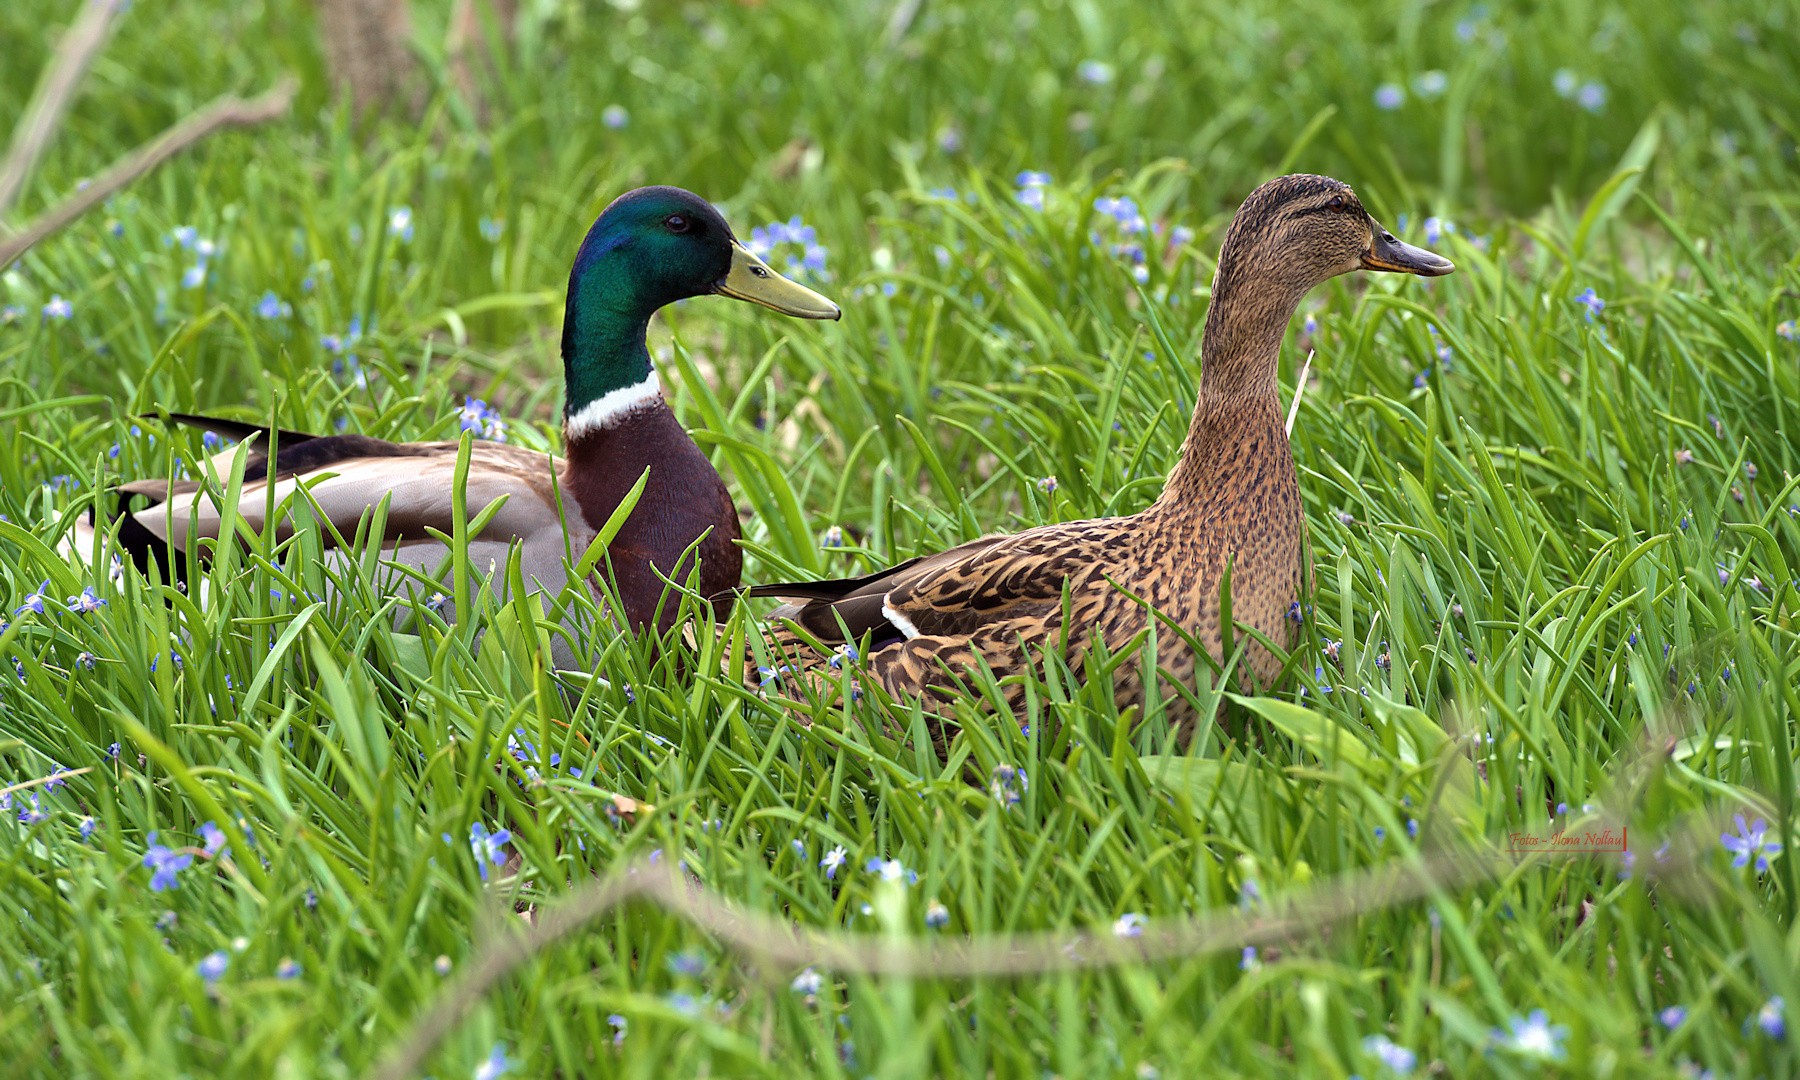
[751,279]
[1388,253]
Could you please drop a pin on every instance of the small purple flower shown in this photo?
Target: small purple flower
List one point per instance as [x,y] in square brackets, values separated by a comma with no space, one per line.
[1751,840]
[1385,1050]
[34,601]
[936,915]
[288,969]
[615,116]
[618,1024]
[273,307]
[1389,96]
[86,603]
[1029,178]
[807,982]
[213,839]
[891,870]
[1749,470]
[496,1064]
[31,814]
[88,825]
[1591,96]
[1772,1018]
[1534,1036]
[58,308]
[164,863]
[834,537]
[689,962]
[486,846]
[1788,330]
[1032,197]
[1129,925]
[214,966]
[1592,302]
[1672,1016]
[1247,960]
[1310,326]
[833,859]
[1047,485]
[1094,72]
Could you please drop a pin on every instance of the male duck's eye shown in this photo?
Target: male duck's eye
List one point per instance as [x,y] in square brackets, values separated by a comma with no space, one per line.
[677,223]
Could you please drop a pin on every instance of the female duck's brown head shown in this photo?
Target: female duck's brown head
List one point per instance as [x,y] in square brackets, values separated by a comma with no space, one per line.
[1291,234]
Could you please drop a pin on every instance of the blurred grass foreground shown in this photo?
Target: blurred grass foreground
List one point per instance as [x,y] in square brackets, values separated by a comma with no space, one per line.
[1551,501]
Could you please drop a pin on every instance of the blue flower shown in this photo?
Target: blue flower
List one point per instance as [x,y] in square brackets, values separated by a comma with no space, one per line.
[1029,178]
[615,116]
[213,839]
[1047,485]
[1772,1018]
[86,603]
[949,139]
[1430,84]
[1534,1036]
[845,654]
[1564,82]
[1412,828]
[936,915]
[1592,302]
[1672,1016]
[194,276]
[475,416]
[88,825]
[834,537]
[807,982]
[273,307]
[1247,961]
[1751,840]
[164,863]
[1389,96]
[486,846]
[1380,835]
[34,601]
[491,228]
[1310,326]
[833,859]
[1385,1050]
[496,1064]
[289,968]
[1007,784]
[891,870]
[617,1023]
[1787,330]
[1129,925]
[1591,96]
[1032,197]
[58,308]
[689,962]
[1094,72]
[214,966]
[32,814]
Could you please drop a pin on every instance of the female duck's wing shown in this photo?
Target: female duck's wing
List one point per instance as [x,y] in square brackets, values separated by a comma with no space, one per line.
[948,594]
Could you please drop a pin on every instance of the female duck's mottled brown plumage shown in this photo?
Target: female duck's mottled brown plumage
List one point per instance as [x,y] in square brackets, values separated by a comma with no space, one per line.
[1231,501]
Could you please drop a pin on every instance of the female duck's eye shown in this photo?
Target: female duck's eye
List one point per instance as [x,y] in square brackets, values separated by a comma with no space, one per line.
[1336,203]
[677,223]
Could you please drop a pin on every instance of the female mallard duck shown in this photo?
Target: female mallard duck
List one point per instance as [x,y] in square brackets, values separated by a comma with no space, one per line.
[651,247]
[1231,502]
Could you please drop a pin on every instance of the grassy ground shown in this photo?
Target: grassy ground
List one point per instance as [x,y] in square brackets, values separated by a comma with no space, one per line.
[1551,502]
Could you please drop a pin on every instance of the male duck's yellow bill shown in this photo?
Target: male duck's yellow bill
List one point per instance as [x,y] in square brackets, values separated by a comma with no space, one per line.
[1386,252]
[751,279]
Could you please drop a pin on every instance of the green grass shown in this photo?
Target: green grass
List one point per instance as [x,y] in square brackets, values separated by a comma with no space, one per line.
[1551,540]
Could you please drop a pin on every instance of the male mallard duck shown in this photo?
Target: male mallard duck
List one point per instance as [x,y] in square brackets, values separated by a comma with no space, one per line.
[1231,501]
[651,247]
